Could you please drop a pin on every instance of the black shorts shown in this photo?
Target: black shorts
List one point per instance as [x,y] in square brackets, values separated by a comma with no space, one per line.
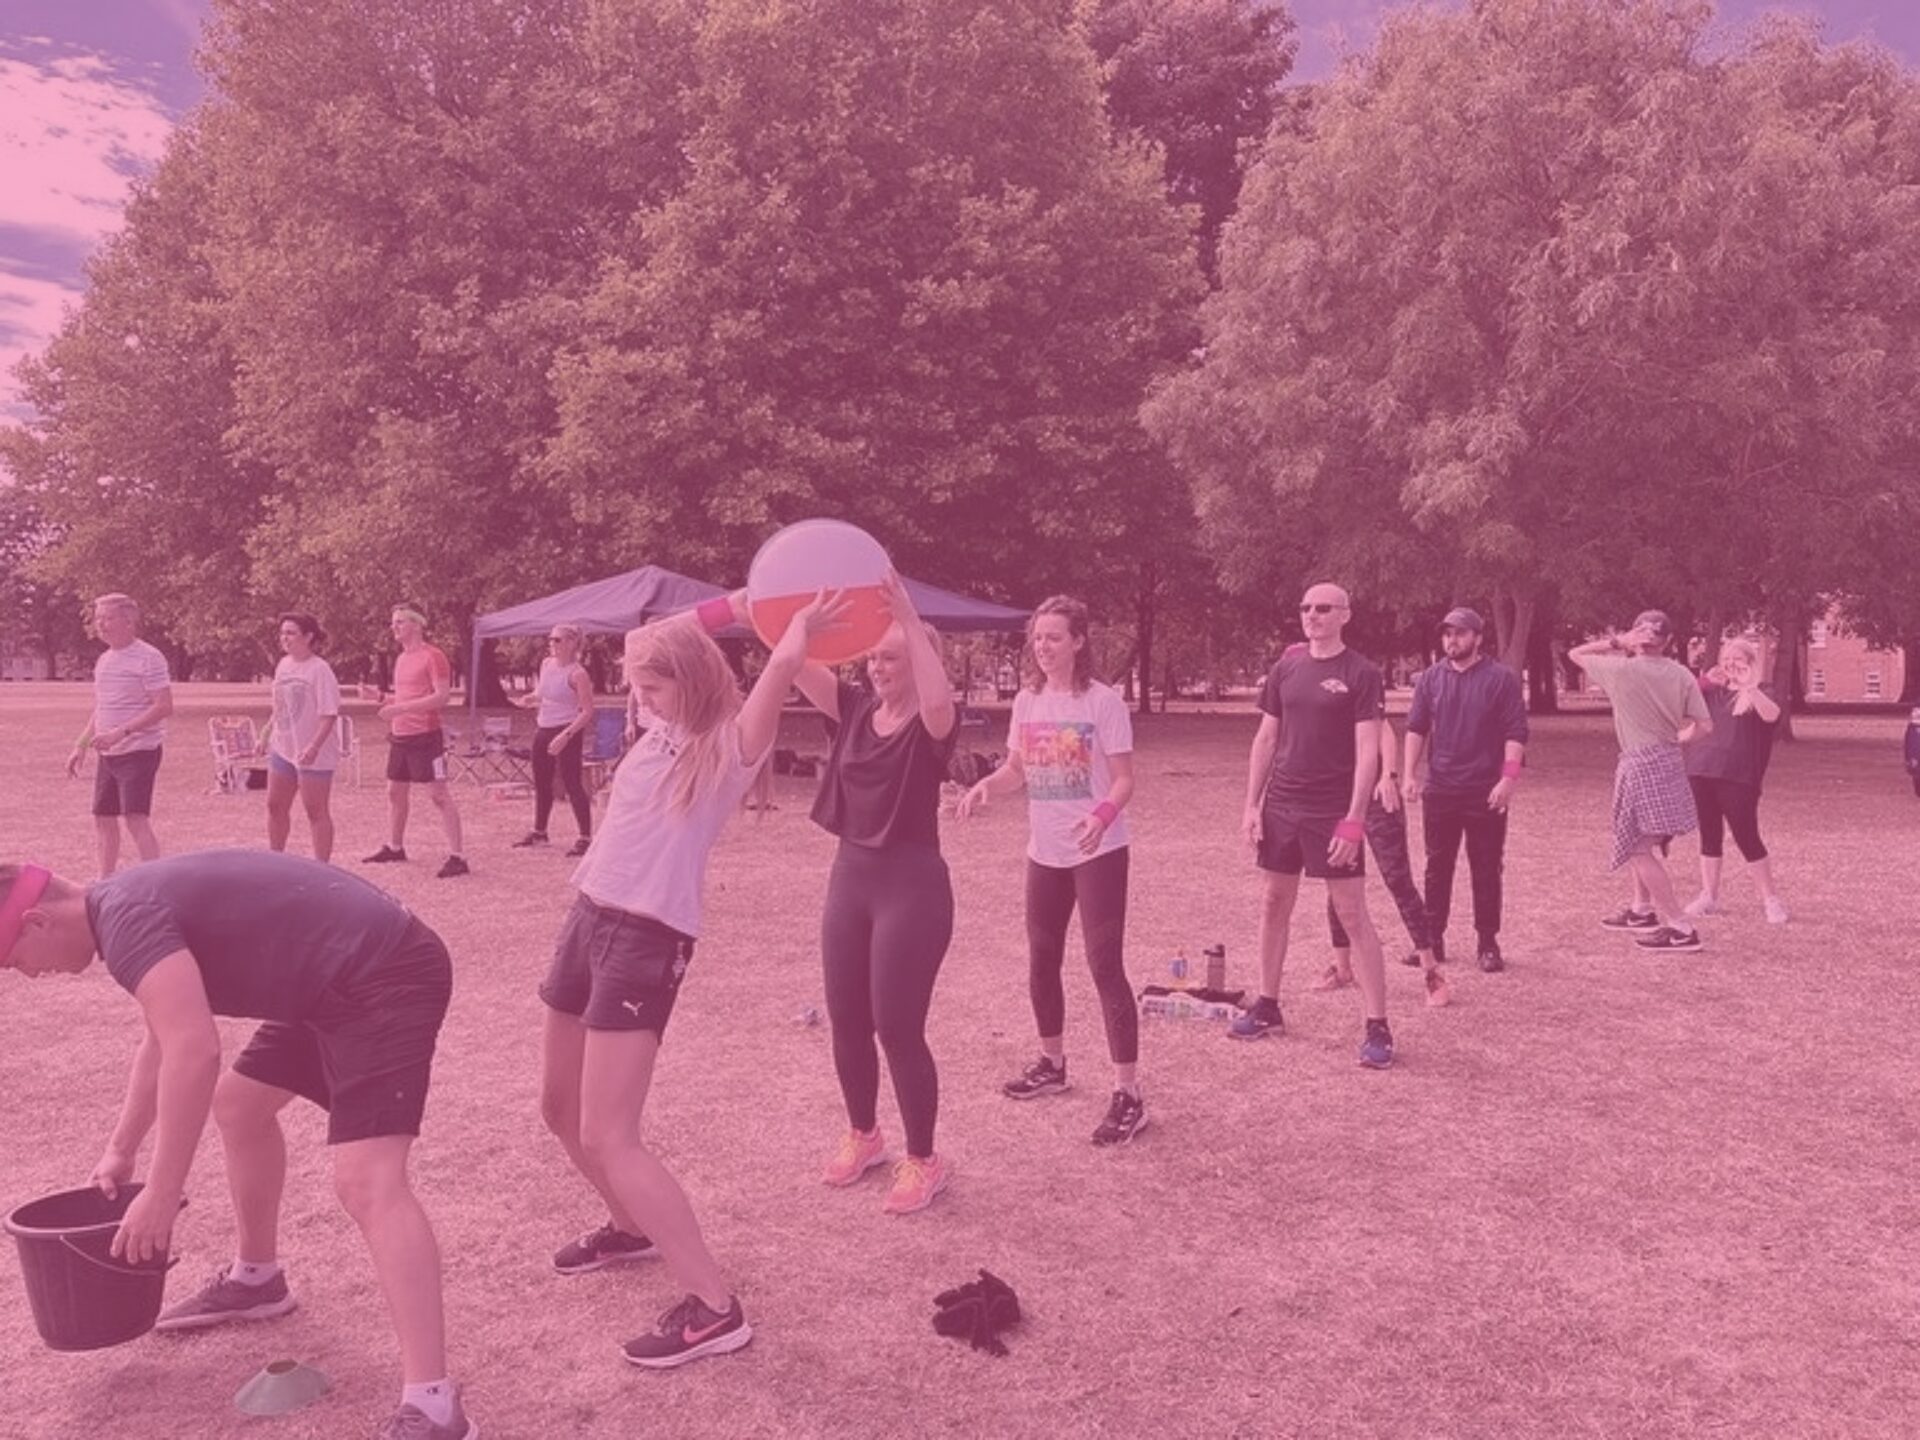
[1295,844]
[367,1054]
[123,784]
[417,759]
[614,970]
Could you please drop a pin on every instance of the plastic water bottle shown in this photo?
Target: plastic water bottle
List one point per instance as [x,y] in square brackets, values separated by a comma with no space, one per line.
[1179,968]
[1216,966]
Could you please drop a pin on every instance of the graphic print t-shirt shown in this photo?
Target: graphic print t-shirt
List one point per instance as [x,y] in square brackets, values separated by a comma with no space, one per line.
[303,691]
[1318,702]
[416,674]
[1064,741]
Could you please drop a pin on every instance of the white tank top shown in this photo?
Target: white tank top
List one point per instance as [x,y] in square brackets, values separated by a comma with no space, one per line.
[558,704]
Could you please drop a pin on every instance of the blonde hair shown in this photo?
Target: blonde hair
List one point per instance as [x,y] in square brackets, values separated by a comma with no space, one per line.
[709,700]
[569,632]
[1742,645]
[114,600]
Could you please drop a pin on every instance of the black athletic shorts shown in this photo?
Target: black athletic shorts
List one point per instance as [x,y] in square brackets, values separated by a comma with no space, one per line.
[417,759]
[1295,844]
[123,784]
[614,970]
[366,1054]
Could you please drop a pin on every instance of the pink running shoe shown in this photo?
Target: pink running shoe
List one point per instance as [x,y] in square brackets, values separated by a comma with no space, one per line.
[915,1183]
[1331,979]
[858,1153]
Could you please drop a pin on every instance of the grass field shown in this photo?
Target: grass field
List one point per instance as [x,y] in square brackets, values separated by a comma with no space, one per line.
[1603,1195]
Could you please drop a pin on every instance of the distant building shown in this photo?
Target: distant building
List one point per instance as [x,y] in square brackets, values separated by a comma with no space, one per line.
[24,665]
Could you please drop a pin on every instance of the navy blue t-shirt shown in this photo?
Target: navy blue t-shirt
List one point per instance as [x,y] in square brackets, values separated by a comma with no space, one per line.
[1467,716]
[270,932]
[1318,702]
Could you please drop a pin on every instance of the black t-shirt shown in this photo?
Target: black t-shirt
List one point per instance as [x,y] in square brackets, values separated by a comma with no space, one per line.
[1318,702]
[1739,746]
[881,790]
[270,932]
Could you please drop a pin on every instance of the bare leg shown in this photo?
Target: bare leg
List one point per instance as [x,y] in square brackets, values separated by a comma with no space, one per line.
[144,840]
[1369,965]
[615,1073]
[316,794]
[563,1051]
[1762,872]
[397,800]
[1650,878]
[1276,911]
[449,814]
[370,1177]
[106,841]
[1710,867]
[280,792]
[248,1116]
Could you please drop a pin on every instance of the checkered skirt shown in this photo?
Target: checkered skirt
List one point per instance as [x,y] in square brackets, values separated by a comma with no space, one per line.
[1651,799]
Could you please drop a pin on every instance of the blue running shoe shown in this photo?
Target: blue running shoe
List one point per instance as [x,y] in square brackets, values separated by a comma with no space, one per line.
[1259,1022]
[1376,1051]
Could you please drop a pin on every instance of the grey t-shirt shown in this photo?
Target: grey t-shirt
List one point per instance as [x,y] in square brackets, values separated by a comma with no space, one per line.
[270,932]
[1653,697]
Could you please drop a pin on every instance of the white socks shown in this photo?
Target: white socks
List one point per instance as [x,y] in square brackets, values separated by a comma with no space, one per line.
[433,1400]
[253,1272]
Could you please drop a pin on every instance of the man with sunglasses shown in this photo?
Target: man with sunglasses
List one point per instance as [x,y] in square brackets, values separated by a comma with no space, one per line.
[1469,724]
[1315,761]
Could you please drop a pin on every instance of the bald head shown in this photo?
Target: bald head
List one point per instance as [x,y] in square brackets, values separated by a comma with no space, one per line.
[1323,615]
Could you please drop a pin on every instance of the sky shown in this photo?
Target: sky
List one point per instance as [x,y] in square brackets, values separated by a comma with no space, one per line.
[90,90]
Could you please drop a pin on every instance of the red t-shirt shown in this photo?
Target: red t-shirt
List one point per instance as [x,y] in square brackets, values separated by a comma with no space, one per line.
[416,674]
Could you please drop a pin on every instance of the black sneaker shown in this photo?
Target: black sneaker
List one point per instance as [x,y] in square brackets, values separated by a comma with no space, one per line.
[454,866]
[1262,1020]
[1042,1077]
[1126,1118]
[1668,938]
[1376,1051]
[688,1331]
[1439,949]
[1490,958]
[597,1249]
[385,855]
[579,847]
[1628,918]
[530,839]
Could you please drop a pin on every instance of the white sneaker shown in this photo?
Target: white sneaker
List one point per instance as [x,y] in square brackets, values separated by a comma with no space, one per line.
[1702,904]
[1776,910]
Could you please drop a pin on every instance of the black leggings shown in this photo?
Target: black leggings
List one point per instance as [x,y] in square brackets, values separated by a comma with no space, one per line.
[888,919]
[1728,805]
[568,764]
[1100,888]
[1387,839]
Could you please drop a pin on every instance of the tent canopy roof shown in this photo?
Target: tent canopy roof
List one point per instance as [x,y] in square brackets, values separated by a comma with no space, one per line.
[620,602]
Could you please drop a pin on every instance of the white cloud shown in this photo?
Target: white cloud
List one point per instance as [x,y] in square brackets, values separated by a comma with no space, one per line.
[73,134]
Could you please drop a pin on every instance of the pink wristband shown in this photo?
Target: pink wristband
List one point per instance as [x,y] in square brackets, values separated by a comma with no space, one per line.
[1106,812]
[25,892]
[715,614]
[1349,829]
[1510,770]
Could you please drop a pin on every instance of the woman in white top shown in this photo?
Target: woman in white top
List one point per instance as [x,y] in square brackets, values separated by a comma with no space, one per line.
[1070,745]
[626,944]
[304,740]
[564,697]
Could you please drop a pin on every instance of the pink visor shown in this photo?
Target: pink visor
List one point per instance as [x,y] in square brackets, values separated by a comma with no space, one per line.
[22,896]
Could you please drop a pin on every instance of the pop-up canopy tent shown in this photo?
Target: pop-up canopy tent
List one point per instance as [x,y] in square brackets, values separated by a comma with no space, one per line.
[618,603]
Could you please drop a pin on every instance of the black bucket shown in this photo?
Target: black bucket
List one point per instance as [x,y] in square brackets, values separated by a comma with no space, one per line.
[83,1298]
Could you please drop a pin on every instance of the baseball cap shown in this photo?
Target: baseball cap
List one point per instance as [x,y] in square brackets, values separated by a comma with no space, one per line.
[1461,618]
[1656,621]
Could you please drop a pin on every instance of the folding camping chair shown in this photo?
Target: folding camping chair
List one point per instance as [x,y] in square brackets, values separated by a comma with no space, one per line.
[606,743]
[236,752]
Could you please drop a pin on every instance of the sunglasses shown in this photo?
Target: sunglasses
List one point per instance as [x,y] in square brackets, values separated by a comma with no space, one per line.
[1322,609]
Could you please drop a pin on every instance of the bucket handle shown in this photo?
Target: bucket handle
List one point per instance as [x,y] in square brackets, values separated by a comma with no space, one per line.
[116,1267]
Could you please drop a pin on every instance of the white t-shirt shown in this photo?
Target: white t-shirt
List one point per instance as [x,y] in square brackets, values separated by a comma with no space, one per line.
[1064,741]
[648,856]
[125,682]
[304,691]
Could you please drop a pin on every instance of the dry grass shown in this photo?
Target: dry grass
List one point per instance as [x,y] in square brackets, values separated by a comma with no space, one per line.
[1604,1195]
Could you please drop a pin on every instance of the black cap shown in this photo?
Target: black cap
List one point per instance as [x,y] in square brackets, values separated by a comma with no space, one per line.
[1461,618]
[1656,621]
